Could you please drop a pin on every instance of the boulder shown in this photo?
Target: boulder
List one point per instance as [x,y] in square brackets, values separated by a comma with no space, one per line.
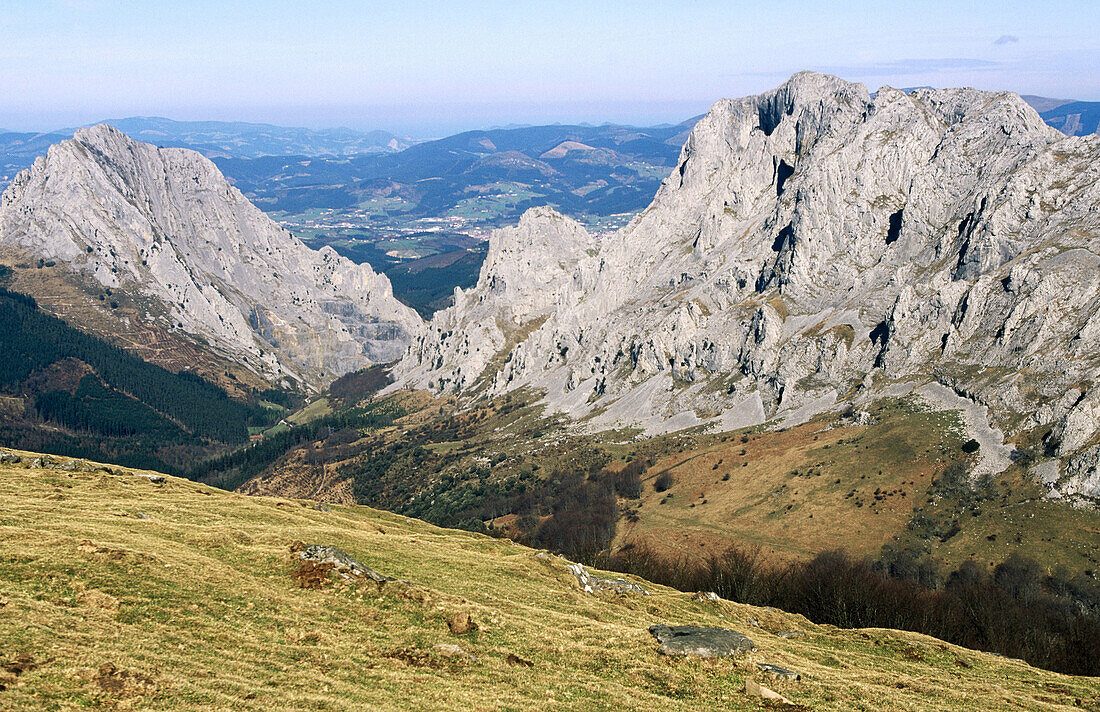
[706,596]
[461,623]
[755,689]
[779,672]
[700,641]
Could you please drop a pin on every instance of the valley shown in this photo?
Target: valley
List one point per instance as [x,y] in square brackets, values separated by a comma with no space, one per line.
[820,350]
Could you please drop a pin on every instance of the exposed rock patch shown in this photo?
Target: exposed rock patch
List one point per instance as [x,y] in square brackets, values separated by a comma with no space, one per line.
[755,689]
[779,672]
[706,596]
[337,560]
[700,641]
[592,584]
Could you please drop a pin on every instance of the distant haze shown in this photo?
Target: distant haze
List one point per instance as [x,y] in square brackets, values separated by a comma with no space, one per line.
[432,68]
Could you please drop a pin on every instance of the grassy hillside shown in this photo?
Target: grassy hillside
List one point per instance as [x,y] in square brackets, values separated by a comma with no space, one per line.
[117,592]
[832,482]
[798,491]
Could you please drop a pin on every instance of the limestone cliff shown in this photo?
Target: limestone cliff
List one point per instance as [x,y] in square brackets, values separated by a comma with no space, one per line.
[815,246]
[164,225]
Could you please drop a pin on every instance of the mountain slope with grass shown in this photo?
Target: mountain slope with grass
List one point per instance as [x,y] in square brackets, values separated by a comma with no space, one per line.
[67,392]
[122,591]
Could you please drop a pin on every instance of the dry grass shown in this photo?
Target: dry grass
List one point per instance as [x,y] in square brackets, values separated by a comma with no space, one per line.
[799,491]
[193,606]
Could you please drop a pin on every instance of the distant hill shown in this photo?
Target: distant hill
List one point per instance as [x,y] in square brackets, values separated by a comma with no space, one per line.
[1075,118]
[248,140]
[18,150]
[602,170]
[1044,103]
[213,139]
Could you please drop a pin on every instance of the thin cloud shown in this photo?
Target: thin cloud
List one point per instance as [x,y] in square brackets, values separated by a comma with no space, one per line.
[1006,39]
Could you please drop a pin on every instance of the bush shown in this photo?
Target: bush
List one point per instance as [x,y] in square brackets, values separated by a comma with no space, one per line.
[628,482]
[664,481]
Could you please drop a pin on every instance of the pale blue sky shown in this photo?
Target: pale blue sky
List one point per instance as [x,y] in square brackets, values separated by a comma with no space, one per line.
[429,68]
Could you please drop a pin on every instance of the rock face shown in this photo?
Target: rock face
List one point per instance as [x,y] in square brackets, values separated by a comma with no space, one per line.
[163,225]
[815,245]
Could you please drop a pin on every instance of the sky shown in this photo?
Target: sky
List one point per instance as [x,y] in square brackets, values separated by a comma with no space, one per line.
[432,68]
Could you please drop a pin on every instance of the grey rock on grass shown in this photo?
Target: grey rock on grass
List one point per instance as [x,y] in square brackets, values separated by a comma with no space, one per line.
[340,561]
[592,584]
[779,672]
[700,641]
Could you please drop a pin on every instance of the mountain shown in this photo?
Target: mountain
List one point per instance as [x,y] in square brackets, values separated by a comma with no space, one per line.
[124,238]
[1039,103]
[122,588]
[582,169]
[250,140]
[816,249]
[1071,117]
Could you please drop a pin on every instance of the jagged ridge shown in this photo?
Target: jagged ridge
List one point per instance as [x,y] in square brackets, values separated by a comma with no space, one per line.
[165,224]
[814,245]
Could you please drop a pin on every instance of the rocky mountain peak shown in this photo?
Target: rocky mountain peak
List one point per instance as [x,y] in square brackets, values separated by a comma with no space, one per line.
[814,246]
[164,226]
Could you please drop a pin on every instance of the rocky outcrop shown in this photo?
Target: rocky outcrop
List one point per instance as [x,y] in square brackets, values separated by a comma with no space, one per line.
[340,562]
[591,584]
[700,641]
[814,246]
[164,226]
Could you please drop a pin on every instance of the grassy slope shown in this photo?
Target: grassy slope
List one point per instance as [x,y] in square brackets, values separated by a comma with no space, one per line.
[791,492]
[901,452]
[195,609]
[798,491]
